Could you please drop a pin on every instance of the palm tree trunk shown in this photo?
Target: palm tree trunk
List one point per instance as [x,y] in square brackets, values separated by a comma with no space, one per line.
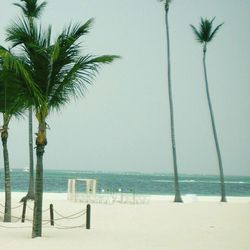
[38,204]
[41,142]
[31,179]
[30,195]
[222,183]
[7,180]
[176,181]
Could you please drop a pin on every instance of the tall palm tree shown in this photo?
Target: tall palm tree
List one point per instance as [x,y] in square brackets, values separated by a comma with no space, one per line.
[31,10]
[176,178]
[11,104]
[205,34]
[56,73]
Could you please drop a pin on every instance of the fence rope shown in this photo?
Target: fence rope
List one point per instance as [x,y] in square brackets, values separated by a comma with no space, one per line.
[30,208]
[72,216]
[58,226]
[13,217]
[17,206]
[45,210]
[45,222]
[12,207]
[11,227]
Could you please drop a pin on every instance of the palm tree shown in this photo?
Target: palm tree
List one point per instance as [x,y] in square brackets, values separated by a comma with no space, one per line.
[205,34]
[31,10]
[11,104]
[56,73]
[176,178]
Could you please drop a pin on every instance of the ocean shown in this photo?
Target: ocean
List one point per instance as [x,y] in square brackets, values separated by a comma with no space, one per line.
[152,184]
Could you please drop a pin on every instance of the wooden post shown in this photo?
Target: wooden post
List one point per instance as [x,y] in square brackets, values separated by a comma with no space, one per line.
[51,214]
[24,211]
[88,216]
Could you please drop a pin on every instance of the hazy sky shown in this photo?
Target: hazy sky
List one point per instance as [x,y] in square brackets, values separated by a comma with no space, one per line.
[123,122]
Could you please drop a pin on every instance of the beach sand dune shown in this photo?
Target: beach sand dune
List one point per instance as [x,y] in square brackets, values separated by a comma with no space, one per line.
[199,224]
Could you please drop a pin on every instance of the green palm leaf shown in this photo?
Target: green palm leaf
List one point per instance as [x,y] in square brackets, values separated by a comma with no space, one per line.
[13,92]
[31,8]
[205,32]
[197,34]
[215,32]
[19,68]
[72,80]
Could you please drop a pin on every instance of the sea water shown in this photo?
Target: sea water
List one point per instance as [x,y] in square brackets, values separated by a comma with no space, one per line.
[158,184]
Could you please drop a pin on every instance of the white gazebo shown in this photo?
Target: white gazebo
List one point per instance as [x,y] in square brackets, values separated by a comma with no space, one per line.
[88,188]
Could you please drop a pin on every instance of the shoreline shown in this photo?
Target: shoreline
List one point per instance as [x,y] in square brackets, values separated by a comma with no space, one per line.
[169,198]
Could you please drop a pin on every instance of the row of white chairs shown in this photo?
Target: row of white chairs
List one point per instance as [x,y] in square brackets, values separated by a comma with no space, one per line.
[124,198]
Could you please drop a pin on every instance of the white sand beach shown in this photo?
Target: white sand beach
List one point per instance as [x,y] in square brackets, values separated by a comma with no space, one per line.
[199,223]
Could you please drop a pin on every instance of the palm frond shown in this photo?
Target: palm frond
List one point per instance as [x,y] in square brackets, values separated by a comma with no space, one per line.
[205,33]
[78,30]
[73,32]
[66,49]
[215,31]
[166,1]
[13,101]
[31,8]
[73,80]
[34,42]
[197,34]
[17,67]
[40,8]
[18,32]
[13,63]
[205,29]
[49,32]
[21,7]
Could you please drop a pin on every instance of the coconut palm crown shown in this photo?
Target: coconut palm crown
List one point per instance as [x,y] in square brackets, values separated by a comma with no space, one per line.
[205,33]
[167,2]
[31,8]
[57,70]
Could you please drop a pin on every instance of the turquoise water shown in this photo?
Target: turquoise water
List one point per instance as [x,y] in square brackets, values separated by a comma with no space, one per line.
[56,181]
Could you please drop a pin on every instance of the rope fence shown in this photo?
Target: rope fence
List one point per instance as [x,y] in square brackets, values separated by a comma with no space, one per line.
[54,218]
[12,208]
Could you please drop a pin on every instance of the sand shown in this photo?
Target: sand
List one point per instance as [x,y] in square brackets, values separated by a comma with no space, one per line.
[199,223]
